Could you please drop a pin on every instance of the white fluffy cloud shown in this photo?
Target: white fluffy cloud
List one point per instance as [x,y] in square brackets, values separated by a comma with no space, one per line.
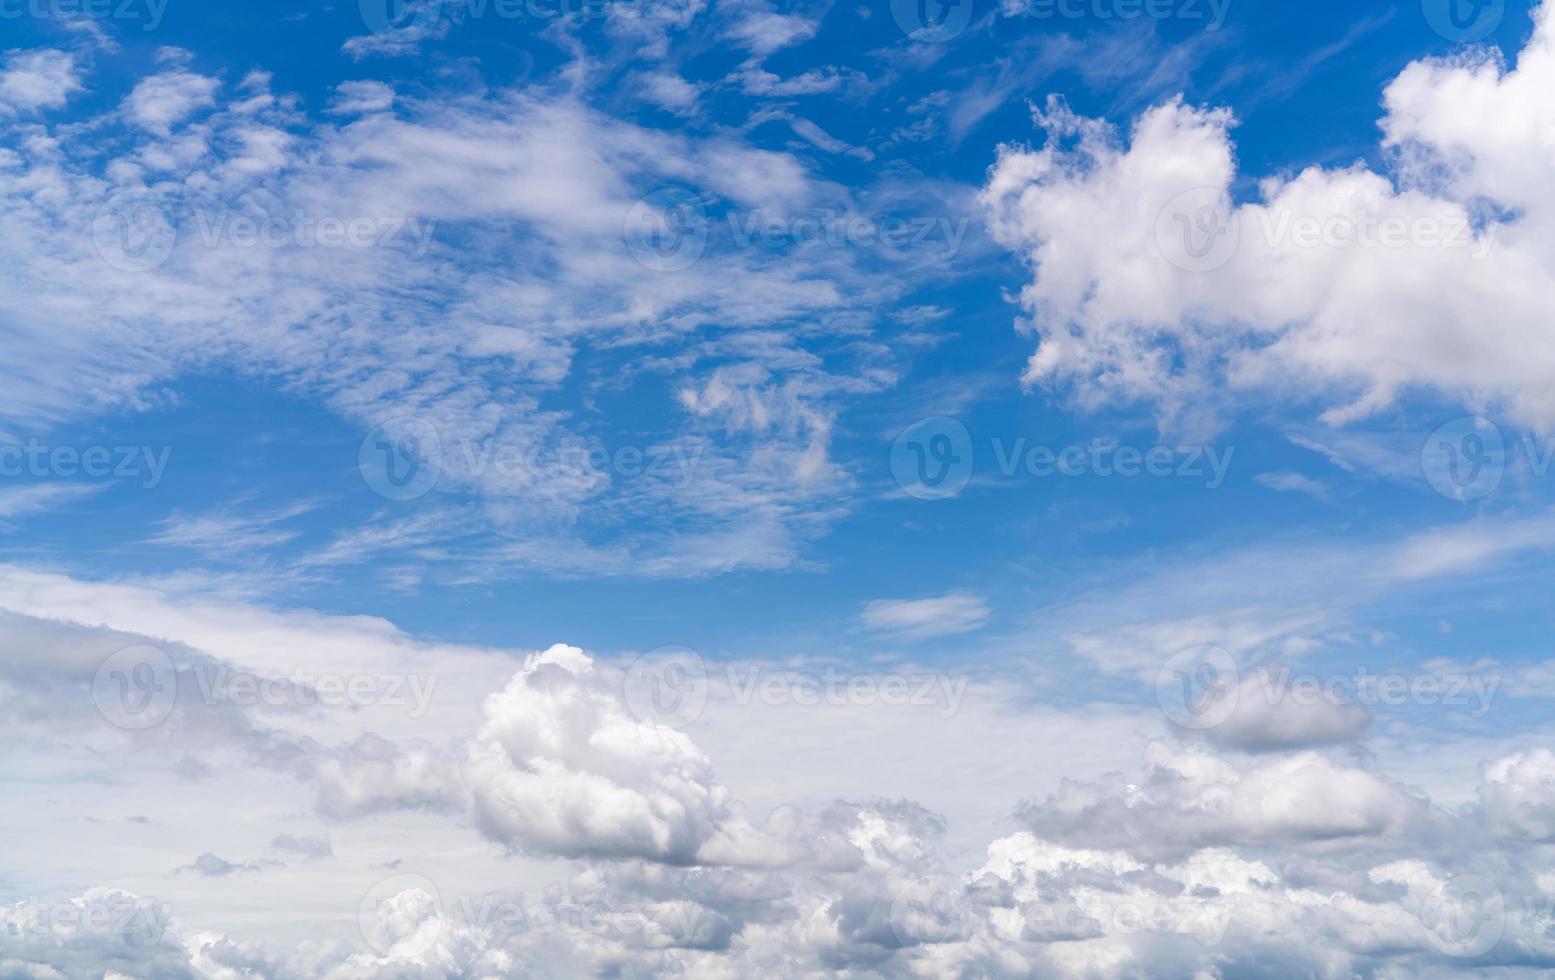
[1518,794]
[1263,716]
[1204,860]
[561,765]
[42,79]
[1343,287]
[163,101]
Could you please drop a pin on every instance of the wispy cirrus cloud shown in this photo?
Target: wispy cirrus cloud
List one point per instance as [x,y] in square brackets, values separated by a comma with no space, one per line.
[923,619]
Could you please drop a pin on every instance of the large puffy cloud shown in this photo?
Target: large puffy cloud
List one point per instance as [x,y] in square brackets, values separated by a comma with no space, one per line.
[1346,286]
[1186,800]
[1201,862]
[560,764]
[1263,716]
[1518,795]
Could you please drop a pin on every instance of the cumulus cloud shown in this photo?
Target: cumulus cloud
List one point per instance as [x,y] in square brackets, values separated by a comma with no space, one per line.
[560,765]
[1518,794]
[1262,713]
[1198,862]
[163,101]
[42,79]
[1344,287]
[1189,799]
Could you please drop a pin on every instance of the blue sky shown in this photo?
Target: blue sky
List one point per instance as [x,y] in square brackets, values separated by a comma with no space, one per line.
[1039,349]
